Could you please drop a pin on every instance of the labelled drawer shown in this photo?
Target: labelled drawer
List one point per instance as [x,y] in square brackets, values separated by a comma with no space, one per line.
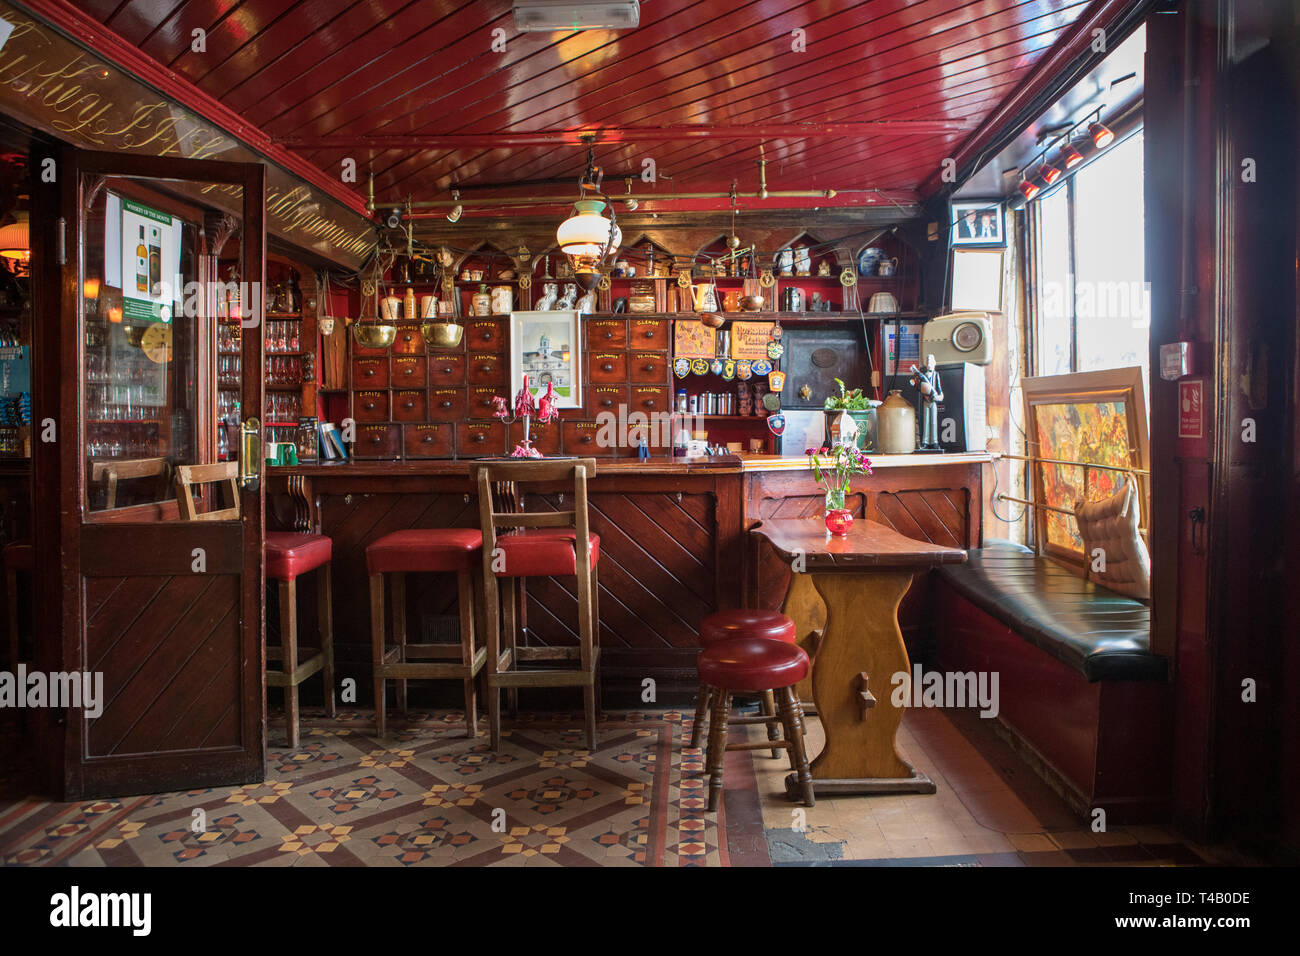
[378,441]
[649,334]
[429,441]
[583,438]
[546,438]
[410,406]
[446,368]
[370,373]
[485,335]
[606,334]
[605,398]
[606,367]
[487,368]
[480,402]
[480,439]
[370,407]
[409,341]
[446,404]
[648,367]
[409,371]
[650,399]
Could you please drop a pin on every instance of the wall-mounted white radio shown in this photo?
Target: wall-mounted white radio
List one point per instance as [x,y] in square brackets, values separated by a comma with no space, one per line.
[959,337]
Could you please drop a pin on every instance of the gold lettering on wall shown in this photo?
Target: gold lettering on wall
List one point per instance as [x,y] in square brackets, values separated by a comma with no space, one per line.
[52,84]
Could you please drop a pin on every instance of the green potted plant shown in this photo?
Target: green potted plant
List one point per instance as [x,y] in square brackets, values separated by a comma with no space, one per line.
[856,407]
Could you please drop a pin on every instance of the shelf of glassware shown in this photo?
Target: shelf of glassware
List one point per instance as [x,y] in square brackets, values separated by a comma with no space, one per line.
[285,378]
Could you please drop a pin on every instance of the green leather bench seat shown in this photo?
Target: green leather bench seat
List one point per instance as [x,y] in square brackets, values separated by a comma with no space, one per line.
[1102,634]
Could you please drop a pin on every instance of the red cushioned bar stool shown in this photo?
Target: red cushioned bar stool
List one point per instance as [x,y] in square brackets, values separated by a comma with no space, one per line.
[18,556]
[754,665]
[740,622]
[424,551]
[289,555]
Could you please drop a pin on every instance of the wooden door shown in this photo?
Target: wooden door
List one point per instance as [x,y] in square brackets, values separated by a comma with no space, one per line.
[168,613]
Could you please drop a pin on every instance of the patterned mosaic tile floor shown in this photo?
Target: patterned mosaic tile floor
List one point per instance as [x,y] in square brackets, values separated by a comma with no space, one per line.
[428,796]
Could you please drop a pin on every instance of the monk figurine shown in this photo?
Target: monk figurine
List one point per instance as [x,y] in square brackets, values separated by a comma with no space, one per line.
[926,382]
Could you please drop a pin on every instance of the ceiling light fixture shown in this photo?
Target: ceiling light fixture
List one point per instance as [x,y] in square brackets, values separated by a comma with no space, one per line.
[16,239]
[549,16]
[1028,188]
[587,237]
[1100,133]
[457,210]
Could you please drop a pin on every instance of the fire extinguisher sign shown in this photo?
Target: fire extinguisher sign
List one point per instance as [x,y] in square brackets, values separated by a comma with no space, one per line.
[1191,409]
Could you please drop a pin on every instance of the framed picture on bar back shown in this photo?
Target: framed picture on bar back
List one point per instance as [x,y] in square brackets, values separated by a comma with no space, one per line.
[1073,423]
[547,347]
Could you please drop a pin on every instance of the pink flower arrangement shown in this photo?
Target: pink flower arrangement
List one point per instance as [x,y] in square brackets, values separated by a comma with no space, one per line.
[842,462]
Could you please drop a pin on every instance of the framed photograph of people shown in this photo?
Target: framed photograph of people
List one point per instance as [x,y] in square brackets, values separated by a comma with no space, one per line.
[977,223]
[547,347]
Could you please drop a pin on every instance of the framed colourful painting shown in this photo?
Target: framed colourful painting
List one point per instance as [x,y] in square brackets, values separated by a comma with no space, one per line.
[1072,422]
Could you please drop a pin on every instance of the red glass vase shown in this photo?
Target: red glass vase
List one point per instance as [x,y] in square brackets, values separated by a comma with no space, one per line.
[838,521]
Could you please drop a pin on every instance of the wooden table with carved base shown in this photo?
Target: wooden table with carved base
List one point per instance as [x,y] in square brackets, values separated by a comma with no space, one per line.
[854,585]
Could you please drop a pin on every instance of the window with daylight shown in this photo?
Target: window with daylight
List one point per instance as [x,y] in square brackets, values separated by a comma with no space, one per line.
[1093,306]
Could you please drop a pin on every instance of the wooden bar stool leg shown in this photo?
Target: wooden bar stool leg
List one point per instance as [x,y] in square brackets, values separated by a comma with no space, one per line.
[767,707]
[11,585]
[325,616]
[587,654]
[377,646]
[492,614]
[595,634]
[509,601]
[399,633]
[717,744]
[794,734]
[289,655]
[465,601]
[702,701]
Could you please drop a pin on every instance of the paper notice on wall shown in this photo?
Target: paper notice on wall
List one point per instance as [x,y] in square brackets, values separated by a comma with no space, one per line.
[902,346]
[749,340]
[693,339]
[150,262]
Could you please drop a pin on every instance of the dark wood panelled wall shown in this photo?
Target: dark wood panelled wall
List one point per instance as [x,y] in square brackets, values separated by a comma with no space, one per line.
[674,548]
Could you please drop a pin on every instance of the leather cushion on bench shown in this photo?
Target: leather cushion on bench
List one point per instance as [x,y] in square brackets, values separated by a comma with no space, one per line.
[1105,635]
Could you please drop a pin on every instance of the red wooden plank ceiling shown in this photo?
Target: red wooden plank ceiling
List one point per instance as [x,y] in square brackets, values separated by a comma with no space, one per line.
[881,94]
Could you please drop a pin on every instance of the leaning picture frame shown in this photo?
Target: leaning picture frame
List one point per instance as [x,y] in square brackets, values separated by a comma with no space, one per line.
[547,347]
[1074,422]
[977,222]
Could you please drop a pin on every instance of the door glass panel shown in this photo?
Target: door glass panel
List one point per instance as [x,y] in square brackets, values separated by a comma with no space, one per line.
[143,319]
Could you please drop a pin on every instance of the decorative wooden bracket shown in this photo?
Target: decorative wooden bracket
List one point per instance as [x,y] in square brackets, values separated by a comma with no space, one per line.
[867,700]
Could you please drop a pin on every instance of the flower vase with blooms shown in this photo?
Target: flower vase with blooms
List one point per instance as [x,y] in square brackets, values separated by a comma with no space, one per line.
[526,410]
[834,469]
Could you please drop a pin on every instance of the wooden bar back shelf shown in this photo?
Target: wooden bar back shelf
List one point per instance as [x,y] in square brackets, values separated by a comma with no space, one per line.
[859,581]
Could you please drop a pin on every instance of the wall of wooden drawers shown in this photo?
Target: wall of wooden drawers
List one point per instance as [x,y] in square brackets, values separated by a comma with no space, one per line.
[410,404]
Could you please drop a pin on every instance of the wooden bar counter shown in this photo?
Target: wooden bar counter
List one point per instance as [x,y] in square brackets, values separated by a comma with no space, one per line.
[674,546]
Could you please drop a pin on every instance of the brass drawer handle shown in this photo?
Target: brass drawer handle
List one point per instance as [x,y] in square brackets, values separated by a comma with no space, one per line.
[377,440]
[648,368]
[370,406]
[649,403]
[427,438]
[586,439]
[446,403]
[607,367]
[607,402]
[650,333]
[409,404]
[446,370]
[609,335]
[480,437]
[408,371]
[487,335]
[369,372]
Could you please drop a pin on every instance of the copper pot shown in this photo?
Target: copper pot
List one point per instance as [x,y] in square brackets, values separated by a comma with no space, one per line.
[751,303]
[711,319]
